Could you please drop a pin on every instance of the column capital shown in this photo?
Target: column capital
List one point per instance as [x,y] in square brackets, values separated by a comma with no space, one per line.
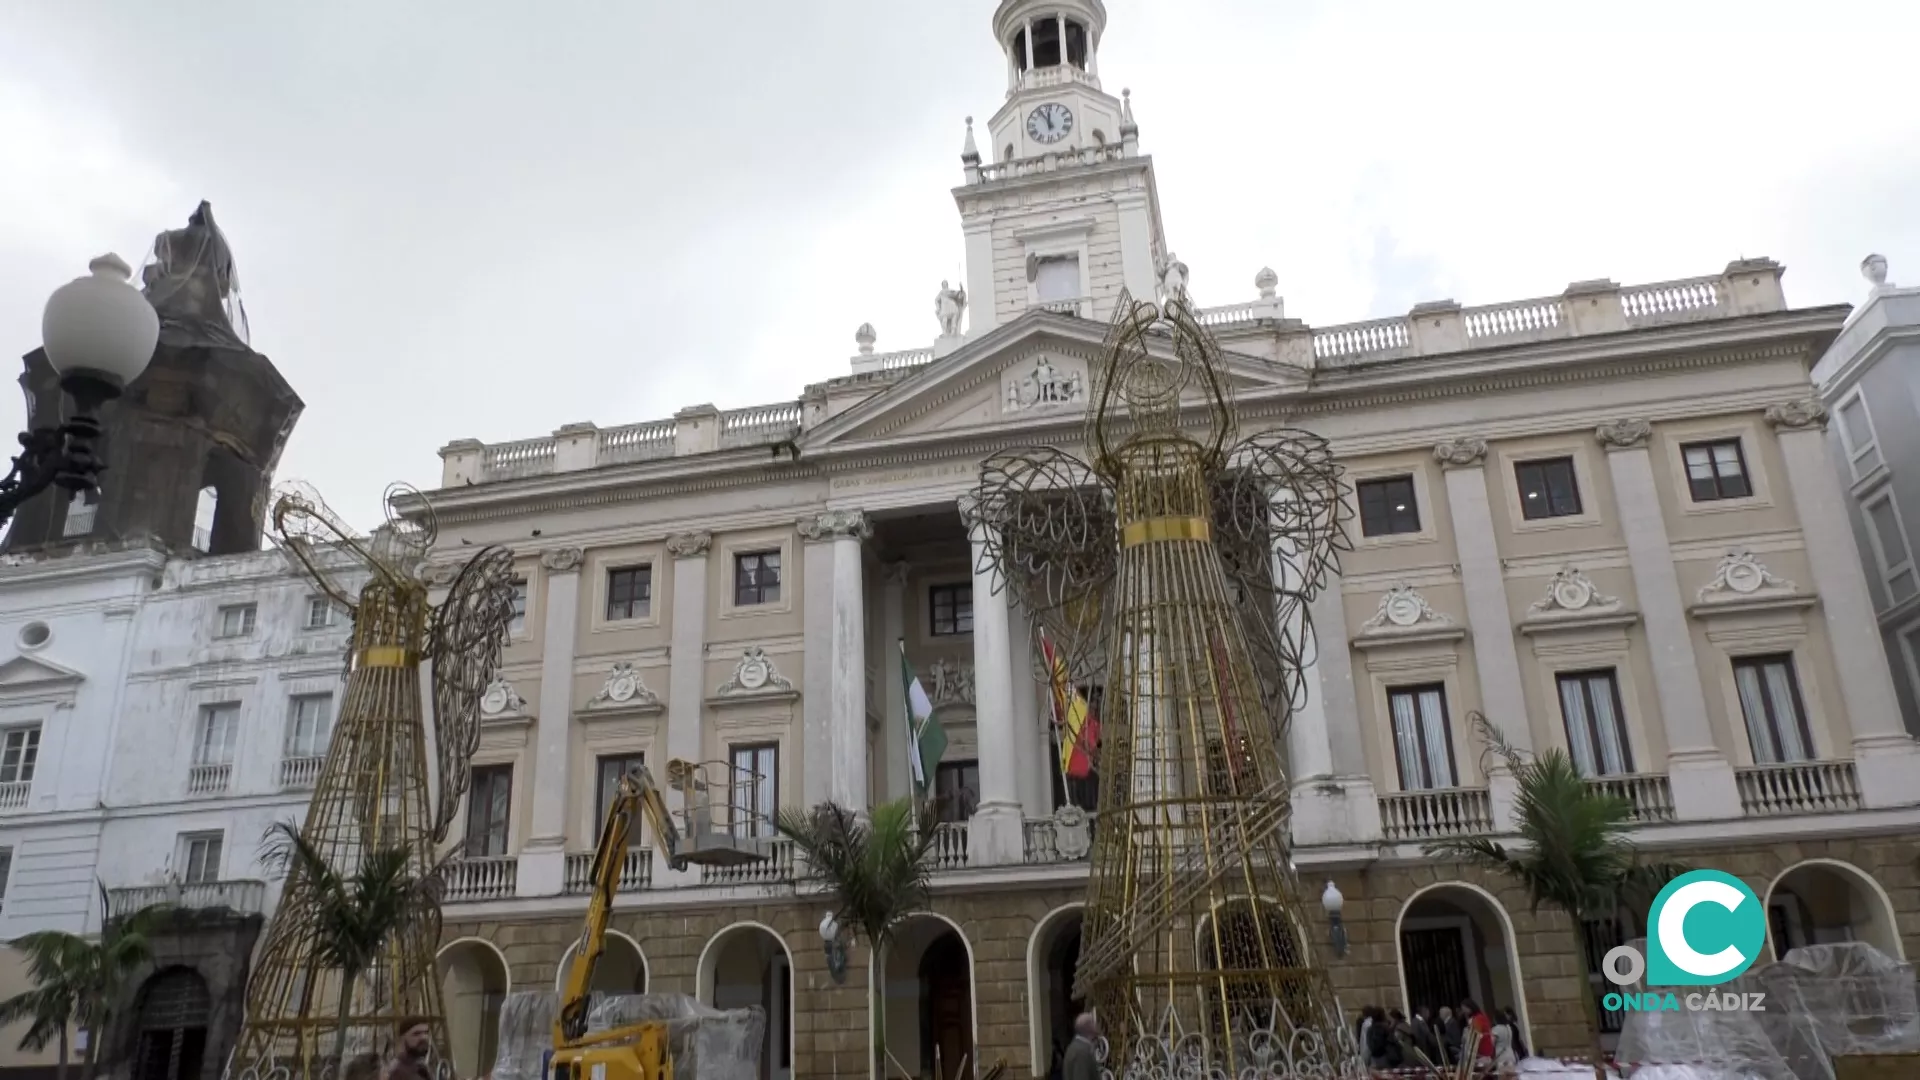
[1468,451]
[836,525]
[894,573]
[1801,414]
[564,560]
[689,545]
[1631,433]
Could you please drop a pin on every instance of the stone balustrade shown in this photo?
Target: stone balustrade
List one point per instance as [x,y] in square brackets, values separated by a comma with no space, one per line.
[1041,164]
[300,773]
[1806,787]
[1650,794]
[244,896]
[636,872]
[208,779]
[494,877]
[1585,308]
[14,795]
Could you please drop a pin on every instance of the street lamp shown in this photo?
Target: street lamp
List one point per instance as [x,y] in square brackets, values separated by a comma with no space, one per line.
[99,333]
[1333,902]
[835,946]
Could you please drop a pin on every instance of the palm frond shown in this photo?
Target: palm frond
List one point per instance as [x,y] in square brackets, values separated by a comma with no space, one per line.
[878,869]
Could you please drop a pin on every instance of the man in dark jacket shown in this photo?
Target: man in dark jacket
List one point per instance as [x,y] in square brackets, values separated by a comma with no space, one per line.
[1081,1062]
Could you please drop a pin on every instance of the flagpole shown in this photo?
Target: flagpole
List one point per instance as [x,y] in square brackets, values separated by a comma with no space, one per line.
[1054,670]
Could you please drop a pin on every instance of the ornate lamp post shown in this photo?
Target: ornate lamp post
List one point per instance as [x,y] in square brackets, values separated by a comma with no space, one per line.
[1332,902]
[99,333]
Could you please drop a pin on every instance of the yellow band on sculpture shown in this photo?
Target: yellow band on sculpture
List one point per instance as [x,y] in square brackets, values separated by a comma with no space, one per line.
[1165,528]
[386,656]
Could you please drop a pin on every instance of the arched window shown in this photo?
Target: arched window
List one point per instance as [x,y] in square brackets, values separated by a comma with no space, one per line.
[172,1023]
[203,513]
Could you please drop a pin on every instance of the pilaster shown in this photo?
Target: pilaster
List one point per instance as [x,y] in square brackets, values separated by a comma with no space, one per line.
[996,834]
[835,709]
[1702,777]
[686,673]
[1885,755]
[543,858]
[981,302]
[1342,806]
[1136,243]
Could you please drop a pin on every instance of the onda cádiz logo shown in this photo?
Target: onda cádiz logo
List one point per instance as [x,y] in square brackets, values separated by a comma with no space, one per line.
[1705,928]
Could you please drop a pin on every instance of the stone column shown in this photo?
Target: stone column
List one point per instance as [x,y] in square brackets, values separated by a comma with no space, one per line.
[1885,755]
[543,857]
[1031,737]
[686,678]
[995,836]
[893,629]
[835,709]
[1489,617]
[1701,776]
[1343,806]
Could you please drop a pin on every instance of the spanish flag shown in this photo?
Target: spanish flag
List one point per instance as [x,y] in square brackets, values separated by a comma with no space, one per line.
[1078,727]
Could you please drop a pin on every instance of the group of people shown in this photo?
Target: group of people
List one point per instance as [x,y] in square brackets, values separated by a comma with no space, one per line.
[1490,1042]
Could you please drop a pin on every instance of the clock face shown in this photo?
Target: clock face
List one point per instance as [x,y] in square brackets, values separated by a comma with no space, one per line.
[1050,122]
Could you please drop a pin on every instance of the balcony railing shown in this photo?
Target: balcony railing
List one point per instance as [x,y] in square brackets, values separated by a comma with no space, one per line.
[300,773]
[1807,787]
[636,872]
[1650,793]
[14,795]
[950,845]
[1433,815]
[208,779]
[776,869]
[494,877]
[246,897]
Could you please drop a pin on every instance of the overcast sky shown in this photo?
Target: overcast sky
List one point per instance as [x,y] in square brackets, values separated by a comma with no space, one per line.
[486,219]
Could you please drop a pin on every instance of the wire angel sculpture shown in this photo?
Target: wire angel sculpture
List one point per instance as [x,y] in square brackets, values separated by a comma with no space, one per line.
[1174,570]
[371,794]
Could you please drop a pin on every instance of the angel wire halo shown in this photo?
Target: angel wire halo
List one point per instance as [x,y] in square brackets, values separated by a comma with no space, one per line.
[371,793]
[1174,570]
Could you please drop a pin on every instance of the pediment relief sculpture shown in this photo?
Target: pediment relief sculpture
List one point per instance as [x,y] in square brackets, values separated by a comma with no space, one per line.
[755,676]
[501,700]
[950,682]
[624,689]
[1404,613]
[1572,593]
[1044,385]
[1741,582]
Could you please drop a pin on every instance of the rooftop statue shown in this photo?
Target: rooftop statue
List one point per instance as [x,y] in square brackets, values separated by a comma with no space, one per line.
[948,305]
[190,280]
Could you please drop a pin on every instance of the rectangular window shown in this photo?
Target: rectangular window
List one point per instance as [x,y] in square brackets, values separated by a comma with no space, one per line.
[629,593]
[1856,435]
[6,870]
[236,620]
[19,753]
[319,612]
[756,789]
[489,806]
[1890,546]
[957,785]
[610,769]
[1548,488]
[1596,730]
[1057,278]
[1716,470]
[756,578]
[219,727]
[309,725]
[1422,739]
[1387,507]
[200,857]
[519,624]
[1775,713]
[951,610]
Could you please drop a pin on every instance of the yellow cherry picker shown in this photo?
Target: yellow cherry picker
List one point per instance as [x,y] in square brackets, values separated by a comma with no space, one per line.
[640,1051]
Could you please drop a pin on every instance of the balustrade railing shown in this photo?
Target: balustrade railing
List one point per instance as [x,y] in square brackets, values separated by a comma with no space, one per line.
[1046,163]
[1806,787]
[637,442]
[1673,301]
[1080,306]
[1650,793]
[300,773]
[950,845]
[776,869]
[1371,339]
[14,796]
[208,779]
[636,872]
[760,424]
[494,877]
[246,897]
[1432,815]
[1527,320]
[528,457]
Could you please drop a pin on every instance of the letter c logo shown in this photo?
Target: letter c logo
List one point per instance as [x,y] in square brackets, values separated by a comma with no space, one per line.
[1725,915]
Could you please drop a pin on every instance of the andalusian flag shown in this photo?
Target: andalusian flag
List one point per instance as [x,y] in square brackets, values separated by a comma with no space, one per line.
[926,739]
[1078,729]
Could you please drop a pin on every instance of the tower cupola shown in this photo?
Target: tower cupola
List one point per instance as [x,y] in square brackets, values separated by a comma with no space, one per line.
[1049,42]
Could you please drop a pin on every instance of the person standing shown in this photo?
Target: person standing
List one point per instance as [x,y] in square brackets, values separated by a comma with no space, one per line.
[411,1049]
[1082,1059]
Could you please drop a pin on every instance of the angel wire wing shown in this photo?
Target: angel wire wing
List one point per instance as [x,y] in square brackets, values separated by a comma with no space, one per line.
[1280,523]
[304,526]
[1051,541]
[469,630]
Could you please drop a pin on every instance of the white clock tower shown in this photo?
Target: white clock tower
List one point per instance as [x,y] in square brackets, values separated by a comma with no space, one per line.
[1065,213]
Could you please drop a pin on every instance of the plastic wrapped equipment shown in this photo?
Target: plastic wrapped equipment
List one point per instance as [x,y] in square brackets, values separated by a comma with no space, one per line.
[705,1043]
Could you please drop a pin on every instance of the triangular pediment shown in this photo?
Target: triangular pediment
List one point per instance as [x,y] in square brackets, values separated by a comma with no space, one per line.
[1037,369]
[31,673]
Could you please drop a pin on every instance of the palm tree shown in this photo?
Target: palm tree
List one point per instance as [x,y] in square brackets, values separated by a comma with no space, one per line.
[77,980]
[1576,857]
[878,870]
[355,913]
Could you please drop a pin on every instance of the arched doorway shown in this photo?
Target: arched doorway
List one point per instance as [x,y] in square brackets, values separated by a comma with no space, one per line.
[929,985]
[747,964]
[1825,902]
[1053,959]
[622,968]
[172,1015]
[1242,934]
[474,980]
[1456,944]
